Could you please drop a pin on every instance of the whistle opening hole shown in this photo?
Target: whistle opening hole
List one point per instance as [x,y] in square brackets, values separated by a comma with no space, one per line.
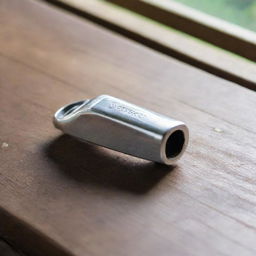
[69,109]
[174,144]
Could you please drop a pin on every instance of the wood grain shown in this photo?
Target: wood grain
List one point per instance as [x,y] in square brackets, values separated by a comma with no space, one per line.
[7,250]
[199,24]
[164,39]
[59,196]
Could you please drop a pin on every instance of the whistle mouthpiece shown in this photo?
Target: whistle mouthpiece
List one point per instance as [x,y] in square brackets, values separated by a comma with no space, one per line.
[124,127]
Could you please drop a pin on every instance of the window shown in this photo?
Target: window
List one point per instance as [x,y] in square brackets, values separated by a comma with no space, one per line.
[184,29]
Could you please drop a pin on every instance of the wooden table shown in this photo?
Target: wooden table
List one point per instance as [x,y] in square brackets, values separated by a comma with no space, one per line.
[59,196]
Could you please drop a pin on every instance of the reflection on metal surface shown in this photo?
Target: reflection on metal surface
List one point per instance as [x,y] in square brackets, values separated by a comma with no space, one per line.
[124,127]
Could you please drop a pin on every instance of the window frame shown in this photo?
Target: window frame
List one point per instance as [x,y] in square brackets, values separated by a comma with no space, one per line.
[124,19]
[198,24]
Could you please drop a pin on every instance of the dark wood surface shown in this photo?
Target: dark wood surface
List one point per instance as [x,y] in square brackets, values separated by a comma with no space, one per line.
[164,39]
[59,196]
[7,250]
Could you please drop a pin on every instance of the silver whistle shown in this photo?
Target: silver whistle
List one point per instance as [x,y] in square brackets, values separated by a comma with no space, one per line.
[124,127]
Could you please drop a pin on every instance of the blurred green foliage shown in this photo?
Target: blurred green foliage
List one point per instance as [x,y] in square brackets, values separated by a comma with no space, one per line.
[240,12]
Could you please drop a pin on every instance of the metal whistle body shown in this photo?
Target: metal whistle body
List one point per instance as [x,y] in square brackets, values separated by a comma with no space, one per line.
[124,127]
